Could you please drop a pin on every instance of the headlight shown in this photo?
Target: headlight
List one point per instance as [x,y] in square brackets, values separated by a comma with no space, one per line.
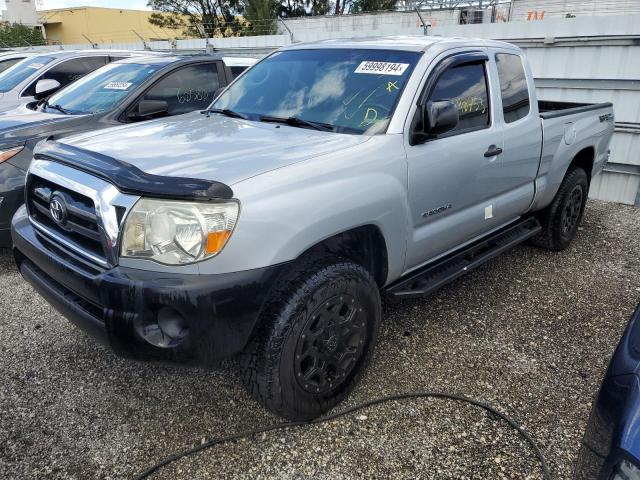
[174,232]
[8,153]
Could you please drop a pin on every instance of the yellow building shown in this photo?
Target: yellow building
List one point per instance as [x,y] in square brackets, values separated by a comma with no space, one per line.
[101,25]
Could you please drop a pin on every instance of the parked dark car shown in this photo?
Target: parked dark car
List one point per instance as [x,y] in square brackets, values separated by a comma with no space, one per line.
[611,445]
[126,91]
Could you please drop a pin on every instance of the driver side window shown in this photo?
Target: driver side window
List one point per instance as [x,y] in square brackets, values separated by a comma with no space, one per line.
[466,86]
[186,89]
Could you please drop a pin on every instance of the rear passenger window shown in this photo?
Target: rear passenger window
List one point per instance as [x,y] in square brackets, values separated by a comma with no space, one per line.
[513,87]
[187,89]
[68,71]
[235,71]
[466,86]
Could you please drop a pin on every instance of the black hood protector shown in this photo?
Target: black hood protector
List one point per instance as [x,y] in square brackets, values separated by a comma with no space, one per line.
[129,178]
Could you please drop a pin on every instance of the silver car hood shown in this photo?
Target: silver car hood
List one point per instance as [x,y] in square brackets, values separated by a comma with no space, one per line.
[215,148]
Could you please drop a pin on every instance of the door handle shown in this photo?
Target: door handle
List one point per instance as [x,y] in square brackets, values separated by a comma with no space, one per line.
[493,151]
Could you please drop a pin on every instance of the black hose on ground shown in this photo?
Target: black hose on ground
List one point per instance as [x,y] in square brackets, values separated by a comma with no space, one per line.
[390,398]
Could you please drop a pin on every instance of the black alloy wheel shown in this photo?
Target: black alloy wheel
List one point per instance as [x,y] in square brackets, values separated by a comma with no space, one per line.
[330,344]
[572,210]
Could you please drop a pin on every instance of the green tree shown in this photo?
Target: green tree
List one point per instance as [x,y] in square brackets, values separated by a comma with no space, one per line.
[321,7]
[261,16]
[302,8]
[361,6]
[18,35]
[200,18]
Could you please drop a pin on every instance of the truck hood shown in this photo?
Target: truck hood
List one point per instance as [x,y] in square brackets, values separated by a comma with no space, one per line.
[216,148]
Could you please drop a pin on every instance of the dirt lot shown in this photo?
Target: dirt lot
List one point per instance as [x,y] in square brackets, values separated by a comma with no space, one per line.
[530,333]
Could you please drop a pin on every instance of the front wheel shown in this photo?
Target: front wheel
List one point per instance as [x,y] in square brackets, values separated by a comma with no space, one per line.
[561,219]
[314,339]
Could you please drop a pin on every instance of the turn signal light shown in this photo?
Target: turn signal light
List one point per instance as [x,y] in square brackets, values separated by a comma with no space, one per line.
[216,240]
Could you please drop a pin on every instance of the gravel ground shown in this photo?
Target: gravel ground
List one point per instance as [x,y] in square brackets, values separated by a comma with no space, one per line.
[531,333]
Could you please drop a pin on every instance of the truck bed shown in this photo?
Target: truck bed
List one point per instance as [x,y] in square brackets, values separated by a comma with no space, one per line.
[549,109]
[568,129]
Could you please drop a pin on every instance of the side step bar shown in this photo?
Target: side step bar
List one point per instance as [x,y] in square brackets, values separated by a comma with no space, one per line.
[444,270]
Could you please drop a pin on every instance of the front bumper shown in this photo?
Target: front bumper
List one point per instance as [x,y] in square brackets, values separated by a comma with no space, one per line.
[115,305]
[11,197]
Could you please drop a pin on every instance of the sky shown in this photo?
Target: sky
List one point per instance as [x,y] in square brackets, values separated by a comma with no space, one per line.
[131,4]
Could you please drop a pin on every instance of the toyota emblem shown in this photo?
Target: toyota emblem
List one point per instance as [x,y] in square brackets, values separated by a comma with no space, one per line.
[58,210]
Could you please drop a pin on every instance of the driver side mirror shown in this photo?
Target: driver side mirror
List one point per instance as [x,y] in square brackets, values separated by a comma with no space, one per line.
[147,108]
[440,117]
[46,87]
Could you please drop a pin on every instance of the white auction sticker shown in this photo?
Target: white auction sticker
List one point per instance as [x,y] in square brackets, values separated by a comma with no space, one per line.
[382,68]
[36,66]
[117,85]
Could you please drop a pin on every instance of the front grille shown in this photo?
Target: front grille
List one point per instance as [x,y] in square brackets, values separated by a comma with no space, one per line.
[68,214]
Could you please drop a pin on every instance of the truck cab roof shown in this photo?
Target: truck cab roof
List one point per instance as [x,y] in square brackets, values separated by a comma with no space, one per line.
[411,43]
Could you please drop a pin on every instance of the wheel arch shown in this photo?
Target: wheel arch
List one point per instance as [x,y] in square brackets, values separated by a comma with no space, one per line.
[548,181]
[364,245]
[583,159]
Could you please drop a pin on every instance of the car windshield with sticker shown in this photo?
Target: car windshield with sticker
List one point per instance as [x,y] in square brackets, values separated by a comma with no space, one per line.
[102,89]
[342,90]
[11,77]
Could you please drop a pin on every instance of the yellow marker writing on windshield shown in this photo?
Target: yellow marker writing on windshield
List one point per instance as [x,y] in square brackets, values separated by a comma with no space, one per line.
[391,86]
[350,99]
[370,116]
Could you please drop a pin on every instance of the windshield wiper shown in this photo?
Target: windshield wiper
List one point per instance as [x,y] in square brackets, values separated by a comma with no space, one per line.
[298,122]
[228,113]
[56,107]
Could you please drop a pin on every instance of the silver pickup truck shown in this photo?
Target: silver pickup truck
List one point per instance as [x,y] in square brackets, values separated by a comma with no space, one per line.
[269,225]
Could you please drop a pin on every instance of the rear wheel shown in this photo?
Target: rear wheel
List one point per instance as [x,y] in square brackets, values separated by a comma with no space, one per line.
[314,340]
[561,219]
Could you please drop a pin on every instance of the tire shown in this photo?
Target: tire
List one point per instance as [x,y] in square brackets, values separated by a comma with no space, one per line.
[561,219]
[298,364]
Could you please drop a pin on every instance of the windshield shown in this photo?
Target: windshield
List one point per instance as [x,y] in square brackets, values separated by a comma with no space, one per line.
[12,77]
[348,90]
[103,89]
